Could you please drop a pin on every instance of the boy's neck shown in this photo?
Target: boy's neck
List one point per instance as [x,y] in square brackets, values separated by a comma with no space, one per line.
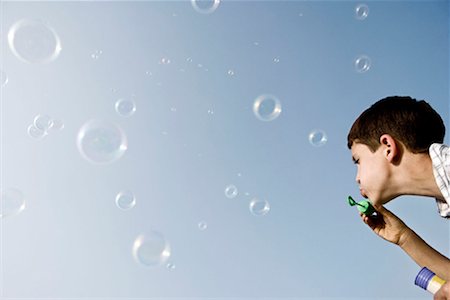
[415,176]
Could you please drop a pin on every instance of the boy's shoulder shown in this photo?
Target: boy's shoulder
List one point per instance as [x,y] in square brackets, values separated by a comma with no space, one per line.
[440,157]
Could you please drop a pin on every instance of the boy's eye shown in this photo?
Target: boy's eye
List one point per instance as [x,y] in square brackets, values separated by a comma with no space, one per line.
[356,161]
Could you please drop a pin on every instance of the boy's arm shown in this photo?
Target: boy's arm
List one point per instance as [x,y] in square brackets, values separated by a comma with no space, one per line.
[425,255]
[391,228]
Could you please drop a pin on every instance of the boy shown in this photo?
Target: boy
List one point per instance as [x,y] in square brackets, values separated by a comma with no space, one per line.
[397,147]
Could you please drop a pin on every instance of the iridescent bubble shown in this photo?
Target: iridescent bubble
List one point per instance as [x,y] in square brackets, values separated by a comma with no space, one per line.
[318,138]
[170,266]
[35,132]
[231,191]
[362,64]
[361,11]
[3,78]
[259,207]
[125,107]
[267,107]
[202,225]
[151,249]
[101,142]
[205,6]
[34,41]
[12,201]
[42,122]
[125,200]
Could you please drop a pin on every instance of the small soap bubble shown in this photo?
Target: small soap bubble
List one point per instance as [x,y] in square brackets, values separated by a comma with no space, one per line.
[210,111]
[318,138]
[3,78]
[96,55]
[202,225]
[205,6]
[35,132]
[231,191]
[125,200]
[362,64]
[189,59]
[267,107]
[256,43]
[125,107]
[165,61]
[231,72]
[151,249]
[148,73]
[361,11]
[101,142]
[33,41]
[173,109]
[276,60]
[259,207]
[12,202]
[56,125]
[170,266]
[42,122]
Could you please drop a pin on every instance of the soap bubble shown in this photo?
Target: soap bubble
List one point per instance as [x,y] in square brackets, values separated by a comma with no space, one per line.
[318,138]
[12,201]
[205,6]
[125,108]
[3,78]
[170,266]
[101,142]
[231,72]
[276,60]
[42,122]
[361,11]
[56,125]
[96,55]
[202,225]
[34,41]
[35,132]
[231,191]
[259,207]
[267,107]
[362,63]
[151,249]
[165,61]
[125,200]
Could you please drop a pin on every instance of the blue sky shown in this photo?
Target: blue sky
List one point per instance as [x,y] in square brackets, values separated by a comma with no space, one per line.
[193,78]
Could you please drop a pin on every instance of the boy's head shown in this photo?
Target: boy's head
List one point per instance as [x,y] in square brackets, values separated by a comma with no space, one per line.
[413,123]
[379,136]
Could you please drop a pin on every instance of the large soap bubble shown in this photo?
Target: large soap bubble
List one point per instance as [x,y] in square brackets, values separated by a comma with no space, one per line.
[151,249]
[205,6]
[267,107]
[101,142]
[34,41]
[12,202]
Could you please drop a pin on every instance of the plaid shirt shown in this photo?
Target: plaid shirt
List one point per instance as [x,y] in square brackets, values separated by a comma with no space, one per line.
[440,156]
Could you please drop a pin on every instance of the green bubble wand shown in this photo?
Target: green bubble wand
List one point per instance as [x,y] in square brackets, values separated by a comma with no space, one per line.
[364,206]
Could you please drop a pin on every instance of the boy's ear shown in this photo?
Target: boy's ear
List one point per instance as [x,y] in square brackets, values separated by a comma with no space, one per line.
[389,147]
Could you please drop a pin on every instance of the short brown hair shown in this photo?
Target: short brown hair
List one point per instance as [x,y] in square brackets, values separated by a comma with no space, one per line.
[414,123]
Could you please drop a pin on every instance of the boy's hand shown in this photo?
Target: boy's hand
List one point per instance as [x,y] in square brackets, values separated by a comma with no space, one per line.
[387,225]
[443,293]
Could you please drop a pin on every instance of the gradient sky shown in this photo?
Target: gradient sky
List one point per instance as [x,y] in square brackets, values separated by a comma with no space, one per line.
[194,78]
